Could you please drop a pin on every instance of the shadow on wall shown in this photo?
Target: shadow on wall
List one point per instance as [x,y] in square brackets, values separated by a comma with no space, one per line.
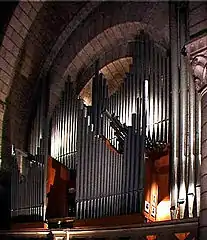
[5,174]
[4,200]
[6,10]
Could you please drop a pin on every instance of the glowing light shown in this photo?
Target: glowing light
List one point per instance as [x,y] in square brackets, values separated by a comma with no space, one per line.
[163,210]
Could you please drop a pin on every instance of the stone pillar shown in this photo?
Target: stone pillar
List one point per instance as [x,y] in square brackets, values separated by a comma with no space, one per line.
[197,54]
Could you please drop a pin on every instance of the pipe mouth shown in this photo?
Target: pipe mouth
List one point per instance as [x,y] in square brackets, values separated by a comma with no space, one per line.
[181,201]
[191,194]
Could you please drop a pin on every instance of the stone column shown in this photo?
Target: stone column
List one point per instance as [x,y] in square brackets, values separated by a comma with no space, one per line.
[197,55]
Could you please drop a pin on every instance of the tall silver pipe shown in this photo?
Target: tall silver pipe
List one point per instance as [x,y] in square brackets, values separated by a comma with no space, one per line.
[61,126]
[156,111]
[70,164]
[192,167]
[58,132]
[71,128]
[174,110]
[151,86]
[67,142]
[99,175]
[163,98]
[198,151]
[53,132]
[160,94]
[63,129]
[85,165]
[154,106]
[183,114]
[92,171]
[168,89]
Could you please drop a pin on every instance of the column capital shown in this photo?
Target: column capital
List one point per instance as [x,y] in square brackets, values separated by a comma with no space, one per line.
[196,51]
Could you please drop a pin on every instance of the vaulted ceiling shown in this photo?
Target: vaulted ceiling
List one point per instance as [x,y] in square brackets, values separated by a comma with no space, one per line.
[63,39]
[114,72]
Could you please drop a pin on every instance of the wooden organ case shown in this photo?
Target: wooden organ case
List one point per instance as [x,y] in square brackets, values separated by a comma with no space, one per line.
[60,190]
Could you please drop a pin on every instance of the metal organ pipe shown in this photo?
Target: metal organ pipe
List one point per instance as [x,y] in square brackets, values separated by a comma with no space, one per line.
[27,180]
[156,87]
[61,127]
[111,182]
[164,103]
[167,102]
[67,123]
[45,139]
[159,96]
[198,150]
[64,124]
[63,133]
[183,114]
[162,106]
[132,189]
[108,182]
[175,110]
[146,89]
[151,88]
[192,166]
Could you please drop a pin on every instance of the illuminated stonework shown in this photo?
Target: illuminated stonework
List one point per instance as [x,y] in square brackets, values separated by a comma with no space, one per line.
[197,53]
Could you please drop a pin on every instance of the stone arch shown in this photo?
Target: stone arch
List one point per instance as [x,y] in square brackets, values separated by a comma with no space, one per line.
[40,45]
[151,16]
[96,18]
[21,21]
[111,49]
[15,35]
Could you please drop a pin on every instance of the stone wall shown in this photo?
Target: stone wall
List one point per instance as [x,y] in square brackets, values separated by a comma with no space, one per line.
[197,17]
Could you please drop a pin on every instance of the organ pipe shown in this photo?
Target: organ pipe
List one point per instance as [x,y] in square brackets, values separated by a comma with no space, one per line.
[27,188]
[198,150]
[174,108]
[111,182]
[28,178]
[192,166]
[64,128]
[123,116]
[183,115]
[45,136]
[186,147]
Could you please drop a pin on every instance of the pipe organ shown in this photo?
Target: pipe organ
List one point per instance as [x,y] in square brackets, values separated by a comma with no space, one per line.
[27,178]
[110,181]
[27,191]
[185,123]
[108,143]
[64,128]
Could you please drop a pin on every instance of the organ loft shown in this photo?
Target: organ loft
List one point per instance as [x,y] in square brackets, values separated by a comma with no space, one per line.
[103,120]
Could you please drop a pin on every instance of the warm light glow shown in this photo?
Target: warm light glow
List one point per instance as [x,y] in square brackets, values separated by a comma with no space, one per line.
[163,210]
[151,237]
[181,236]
